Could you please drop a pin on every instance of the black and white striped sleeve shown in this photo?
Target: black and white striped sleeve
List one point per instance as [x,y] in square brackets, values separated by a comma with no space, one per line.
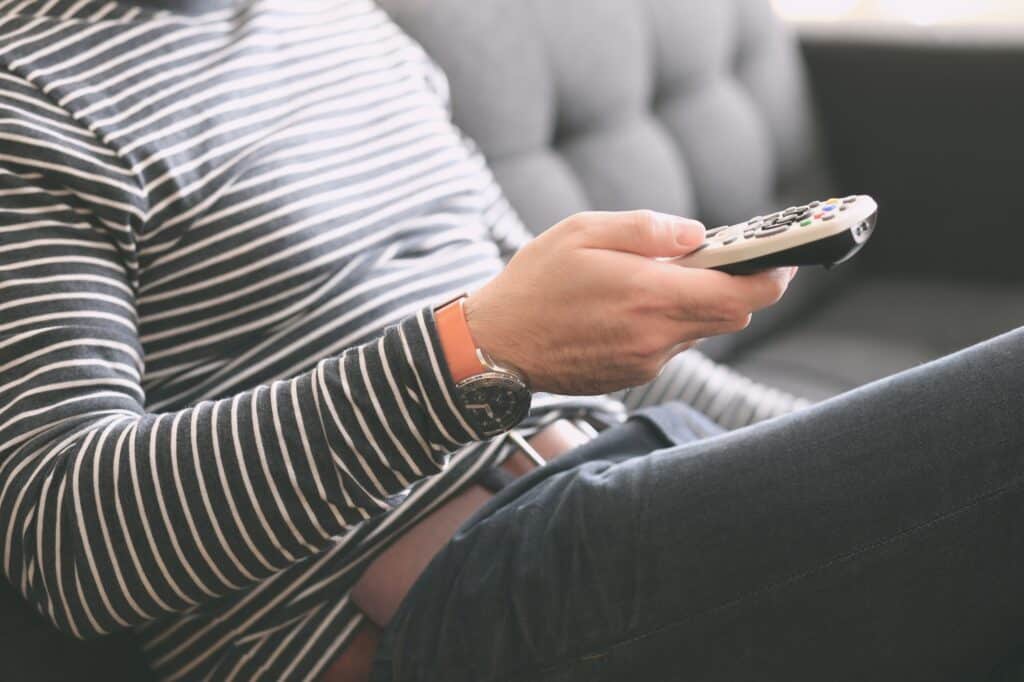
[112,515]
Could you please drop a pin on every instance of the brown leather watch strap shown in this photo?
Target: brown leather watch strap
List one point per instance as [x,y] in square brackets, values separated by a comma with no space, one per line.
[457,341]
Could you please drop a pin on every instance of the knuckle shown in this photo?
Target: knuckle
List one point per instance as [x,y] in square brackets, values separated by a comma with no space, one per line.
[578,222]
[579,226]
[644,223]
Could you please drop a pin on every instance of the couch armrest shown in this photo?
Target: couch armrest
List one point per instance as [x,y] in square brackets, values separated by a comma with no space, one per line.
[932,123]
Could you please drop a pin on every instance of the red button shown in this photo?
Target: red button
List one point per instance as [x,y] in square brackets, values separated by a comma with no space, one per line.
[818,215]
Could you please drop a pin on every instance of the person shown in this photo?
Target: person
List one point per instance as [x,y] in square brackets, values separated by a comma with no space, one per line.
[236,414]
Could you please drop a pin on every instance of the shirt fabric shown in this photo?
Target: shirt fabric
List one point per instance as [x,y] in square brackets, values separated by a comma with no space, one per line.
[220,381]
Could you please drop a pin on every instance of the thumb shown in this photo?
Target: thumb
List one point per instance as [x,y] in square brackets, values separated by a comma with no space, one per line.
[645,233]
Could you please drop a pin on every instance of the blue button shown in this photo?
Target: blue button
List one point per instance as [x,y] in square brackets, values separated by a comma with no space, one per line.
[828,208]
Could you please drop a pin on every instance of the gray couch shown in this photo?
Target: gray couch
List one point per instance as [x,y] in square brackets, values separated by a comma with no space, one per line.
[705,108]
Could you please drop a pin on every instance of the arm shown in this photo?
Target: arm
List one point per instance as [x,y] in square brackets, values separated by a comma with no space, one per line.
[725,395]
[111,515]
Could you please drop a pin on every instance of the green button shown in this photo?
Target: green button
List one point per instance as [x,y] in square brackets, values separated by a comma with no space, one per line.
[806,223]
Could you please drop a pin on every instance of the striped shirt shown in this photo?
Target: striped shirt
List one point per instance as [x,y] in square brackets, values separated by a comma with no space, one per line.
[221,391]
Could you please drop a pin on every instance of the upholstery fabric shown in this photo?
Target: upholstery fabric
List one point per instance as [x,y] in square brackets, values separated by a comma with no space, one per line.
[683,106]
[692,107]
[879,326]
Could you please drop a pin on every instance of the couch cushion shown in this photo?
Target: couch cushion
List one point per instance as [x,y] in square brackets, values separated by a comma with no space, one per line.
[877,327]
[684,106]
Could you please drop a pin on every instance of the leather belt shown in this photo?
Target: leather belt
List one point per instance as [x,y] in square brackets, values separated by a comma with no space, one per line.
[355,662]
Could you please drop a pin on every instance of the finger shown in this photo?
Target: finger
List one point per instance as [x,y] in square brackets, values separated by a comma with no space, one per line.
[709,295]
[644,233]
[762,289]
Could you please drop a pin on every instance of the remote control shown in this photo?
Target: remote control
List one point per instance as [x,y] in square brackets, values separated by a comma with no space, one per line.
[821,233]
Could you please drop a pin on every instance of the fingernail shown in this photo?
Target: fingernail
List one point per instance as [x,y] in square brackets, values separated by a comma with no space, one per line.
[689,232]
[792,272]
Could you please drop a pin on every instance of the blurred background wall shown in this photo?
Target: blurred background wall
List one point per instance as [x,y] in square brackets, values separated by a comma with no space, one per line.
[920,12]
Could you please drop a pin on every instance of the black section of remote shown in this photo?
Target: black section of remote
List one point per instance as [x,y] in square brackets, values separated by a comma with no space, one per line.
[829,252]
[824,233]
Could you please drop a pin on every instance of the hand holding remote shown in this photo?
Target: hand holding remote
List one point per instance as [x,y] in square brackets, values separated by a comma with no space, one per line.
[588,307]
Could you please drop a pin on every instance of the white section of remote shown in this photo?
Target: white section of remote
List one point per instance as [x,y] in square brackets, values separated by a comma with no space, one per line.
[821,233]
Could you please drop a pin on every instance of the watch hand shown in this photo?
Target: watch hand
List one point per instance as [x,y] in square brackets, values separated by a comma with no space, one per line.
[483,407]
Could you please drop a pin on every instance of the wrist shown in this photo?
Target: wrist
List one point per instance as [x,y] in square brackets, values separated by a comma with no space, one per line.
[494,398]
[457,341]
[486,334]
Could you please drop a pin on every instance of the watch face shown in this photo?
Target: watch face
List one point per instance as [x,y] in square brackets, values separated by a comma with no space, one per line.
[494,402]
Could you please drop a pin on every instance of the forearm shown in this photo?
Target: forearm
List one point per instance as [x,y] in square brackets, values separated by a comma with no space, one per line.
[129,515]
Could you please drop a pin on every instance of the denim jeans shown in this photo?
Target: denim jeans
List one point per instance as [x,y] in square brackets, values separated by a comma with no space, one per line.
[876,536]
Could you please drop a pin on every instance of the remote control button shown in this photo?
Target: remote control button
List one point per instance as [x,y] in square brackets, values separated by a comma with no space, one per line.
[814,204]
[699,248]
[850,199]
[828,208]
[844,208]
[730,240]
[806,223]
[771,231]
[817,216]
[715,231]
[830,216]
[803,215]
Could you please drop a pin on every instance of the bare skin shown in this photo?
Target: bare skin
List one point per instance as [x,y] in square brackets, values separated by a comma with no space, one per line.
[584,309]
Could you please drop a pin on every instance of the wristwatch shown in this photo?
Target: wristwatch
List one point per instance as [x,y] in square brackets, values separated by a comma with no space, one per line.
[494,398]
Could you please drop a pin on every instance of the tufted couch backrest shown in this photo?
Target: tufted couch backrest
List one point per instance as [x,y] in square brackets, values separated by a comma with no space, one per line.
[695,107]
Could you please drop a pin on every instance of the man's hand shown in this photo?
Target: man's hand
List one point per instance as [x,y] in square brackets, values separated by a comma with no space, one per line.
[586,309]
